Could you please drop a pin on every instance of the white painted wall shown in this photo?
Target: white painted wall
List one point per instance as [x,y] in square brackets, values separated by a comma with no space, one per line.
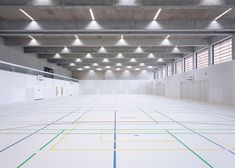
[18,87]
[115,82]
[114,75]
[116,86]
[221,79]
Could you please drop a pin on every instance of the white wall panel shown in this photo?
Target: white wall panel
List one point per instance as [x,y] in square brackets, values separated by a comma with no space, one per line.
[17,87]
[220,77]
[116,87]
[114,75]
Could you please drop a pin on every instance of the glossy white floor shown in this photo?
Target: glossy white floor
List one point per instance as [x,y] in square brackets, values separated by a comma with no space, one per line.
[117,132]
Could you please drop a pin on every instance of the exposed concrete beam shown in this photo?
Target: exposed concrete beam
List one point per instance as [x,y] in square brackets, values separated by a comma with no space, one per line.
[110,56]
[140,41]
[114,50]
[117,27]
[159,3]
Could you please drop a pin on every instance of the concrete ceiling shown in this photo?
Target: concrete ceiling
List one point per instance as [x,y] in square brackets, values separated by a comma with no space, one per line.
[190,25]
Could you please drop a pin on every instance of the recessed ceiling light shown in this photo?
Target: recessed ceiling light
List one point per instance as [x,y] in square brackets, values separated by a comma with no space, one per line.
[142,64]
[137,69]
[157,14]
[78,60]
[139,50]
[129,67]
[105,60]
[150,67]
[92,14]
[71,64]
[98,69]
[102,50]
[222,14]
[87,67]
[118,69]
[160,60]
[31,37]
[57,55]
[27,14]
[151,55]
[107,67]
[120,55]
[118,64]
[167,36]
[133,60]
[80,69]
[88,55]
[95,64]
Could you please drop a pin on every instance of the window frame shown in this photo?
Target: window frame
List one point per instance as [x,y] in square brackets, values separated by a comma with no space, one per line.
[213,50]
[196,59]
[185,63]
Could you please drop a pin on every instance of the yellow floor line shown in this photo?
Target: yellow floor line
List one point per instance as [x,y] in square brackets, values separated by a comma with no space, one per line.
[136,149]
[66,134]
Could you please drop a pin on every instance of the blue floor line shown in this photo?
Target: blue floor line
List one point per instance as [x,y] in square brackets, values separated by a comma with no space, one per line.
[114,144]
[2,150]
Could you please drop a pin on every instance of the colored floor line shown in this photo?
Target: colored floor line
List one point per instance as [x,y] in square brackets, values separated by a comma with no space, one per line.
[190,149]
[70,130]
[15,143]
[183,144]
[115,142]
[40,149]
[197,133]
[51,140]
[82,115]
[26,160]
[115,136]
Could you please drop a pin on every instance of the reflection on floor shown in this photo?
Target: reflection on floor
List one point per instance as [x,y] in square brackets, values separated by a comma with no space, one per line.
[135,131]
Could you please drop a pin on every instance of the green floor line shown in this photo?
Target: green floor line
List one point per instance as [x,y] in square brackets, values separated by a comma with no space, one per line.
[190,149]
[26,160]
[40,149]
[51,140]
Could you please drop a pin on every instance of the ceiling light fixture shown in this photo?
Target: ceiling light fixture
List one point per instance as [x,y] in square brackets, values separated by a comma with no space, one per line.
[105,60]
[222,14]
[107,67]
[122,36]
[137,69]
[27,14]
[87,67]
[118,69]
[31,37]
[71,64]
[78,60]
[168,36]
[95,64]
[142,64]
[129,67]
[88,56]
[118,64]
[157,14]
[133,60]
[76,36]
[92,14]
[80,69]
